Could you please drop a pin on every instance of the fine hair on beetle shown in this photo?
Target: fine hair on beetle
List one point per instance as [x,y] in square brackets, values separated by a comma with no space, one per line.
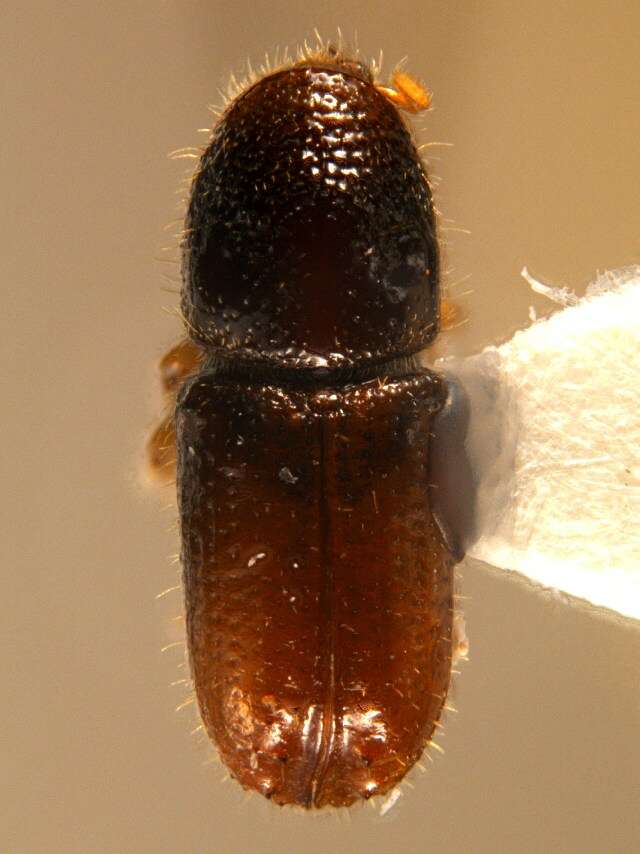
[320,489]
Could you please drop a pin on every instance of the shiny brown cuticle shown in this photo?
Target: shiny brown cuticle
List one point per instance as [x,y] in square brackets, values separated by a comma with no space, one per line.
[318,575]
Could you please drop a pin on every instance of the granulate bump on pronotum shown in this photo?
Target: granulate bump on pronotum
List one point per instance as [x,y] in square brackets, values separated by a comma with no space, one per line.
[320,518]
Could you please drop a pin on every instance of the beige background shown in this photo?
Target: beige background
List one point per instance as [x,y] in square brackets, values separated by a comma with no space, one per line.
[540,100]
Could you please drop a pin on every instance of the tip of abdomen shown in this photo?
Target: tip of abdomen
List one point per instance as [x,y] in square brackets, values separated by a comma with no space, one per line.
[301,758]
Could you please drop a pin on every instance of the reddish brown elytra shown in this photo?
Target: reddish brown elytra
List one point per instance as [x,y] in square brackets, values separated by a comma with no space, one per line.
[317,572]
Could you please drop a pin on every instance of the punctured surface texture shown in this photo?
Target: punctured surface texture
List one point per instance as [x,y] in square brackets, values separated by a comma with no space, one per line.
[318,588]
[310,236]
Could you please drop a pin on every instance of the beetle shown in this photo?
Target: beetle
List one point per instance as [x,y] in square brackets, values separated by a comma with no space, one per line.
[318,517]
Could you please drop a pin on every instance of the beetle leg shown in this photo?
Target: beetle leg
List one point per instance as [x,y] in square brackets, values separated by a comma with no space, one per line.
[451,315]
[176,366]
